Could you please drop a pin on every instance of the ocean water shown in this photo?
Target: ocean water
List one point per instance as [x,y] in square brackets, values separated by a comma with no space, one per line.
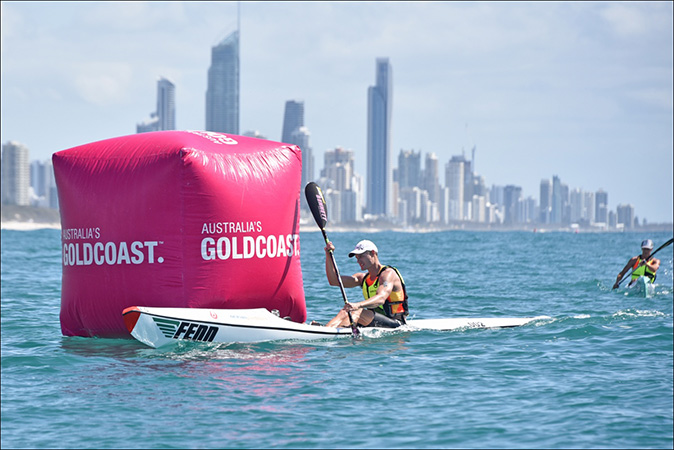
[598,374]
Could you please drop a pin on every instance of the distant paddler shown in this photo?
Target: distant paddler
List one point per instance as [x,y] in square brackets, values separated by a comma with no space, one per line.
[644,265]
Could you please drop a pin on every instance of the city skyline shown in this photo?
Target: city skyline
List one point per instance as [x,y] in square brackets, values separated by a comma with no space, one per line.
[418,197]
[465,198]
[595,109]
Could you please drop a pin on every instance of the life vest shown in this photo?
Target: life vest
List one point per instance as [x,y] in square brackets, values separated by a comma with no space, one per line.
[643,270]
[395,306]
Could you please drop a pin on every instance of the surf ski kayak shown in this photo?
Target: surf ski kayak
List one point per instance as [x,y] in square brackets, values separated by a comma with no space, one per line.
[641,287]
[156,327]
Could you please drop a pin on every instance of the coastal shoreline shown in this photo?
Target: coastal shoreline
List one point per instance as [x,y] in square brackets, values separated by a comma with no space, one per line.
[26,218]
[29,226]
[308,228]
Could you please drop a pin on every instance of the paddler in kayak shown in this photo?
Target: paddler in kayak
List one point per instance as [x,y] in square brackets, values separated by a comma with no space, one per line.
[641,265]
[385,296]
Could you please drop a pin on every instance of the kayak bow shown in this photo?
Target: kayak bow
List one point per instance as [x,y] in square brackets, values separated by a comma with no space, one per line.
[641,287]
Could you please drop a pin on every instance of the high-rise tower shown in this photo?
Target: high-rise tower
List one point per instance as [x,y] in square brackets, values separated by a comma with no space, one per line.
[455,174]
[601,206]
[222,94]
[164,118]
[545,201]
[557,205]
[294,132]
[512,196]
[293,118]
[166,104]
[15,174]
[409,169]
[300,137]
[431,182]
[379,107]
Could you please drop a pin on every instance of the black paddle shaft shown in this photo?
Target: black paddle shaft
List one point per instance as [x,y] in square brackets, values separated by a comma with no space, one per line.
[319,210]
[651,255]
[334,264]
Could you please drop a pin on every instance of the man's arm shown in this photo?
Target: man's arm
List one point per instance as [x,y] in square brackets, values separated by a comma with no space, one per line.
[622,273]
[347,281]
[386,283]
[653,264]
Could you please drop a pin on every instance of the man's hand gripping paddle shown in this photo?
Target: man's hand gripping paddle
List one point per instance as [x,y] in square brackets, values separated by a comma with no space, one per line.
[319,210]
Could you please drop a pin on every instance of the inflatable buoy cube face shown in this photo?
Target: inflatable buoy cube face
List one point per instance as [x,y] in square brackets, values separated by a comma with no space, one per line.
[177,219]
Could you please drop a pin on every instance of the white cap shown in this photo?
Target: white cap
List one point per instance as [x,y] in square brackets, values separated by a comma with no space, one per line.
[362,247]
[647,244]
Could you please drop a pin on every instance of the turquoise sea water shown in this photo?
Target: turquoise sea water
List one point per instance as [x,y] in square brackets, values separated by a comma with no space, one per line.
[596,375]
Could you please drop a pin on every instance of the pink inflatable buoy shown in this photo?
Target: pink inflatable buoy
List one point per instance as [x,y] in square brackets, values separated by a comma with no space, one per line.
[188,219]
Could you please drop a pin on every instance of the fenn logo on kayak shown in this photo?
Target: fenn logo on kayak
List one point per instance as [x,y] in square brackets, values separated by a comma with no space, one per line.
[178,329]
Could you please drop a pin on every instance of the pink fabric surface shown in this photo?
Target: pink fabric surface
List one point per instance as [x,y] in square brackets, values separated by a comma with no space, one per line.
[178,219]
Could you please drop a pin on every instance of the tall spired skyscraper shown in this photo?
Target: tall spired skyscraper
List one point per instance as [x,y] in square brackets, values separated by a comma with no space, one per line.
[379,173]
[222,94]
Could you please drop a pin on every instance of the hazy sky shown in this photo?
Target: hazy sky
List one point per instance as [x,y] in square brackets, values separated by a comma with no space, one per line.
[580,90]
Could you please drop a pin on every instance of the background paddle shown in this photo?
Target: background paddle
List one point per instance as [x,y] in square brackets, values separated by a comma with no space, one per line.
[319,210]
[652,255]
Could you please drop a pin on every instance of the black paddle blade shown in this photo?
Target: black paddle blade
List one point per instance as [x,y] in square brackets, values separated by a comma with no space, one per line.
[317,204]
[663,246]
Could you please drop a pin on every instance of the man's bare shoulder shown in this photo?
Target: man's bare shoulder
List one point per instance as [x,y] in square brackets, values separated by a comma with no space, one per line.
[390,275]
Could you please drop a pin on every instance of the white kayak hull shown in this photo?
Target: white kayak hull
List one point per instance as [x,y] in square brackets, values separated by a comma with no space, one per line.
[641,287]
[158,327]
